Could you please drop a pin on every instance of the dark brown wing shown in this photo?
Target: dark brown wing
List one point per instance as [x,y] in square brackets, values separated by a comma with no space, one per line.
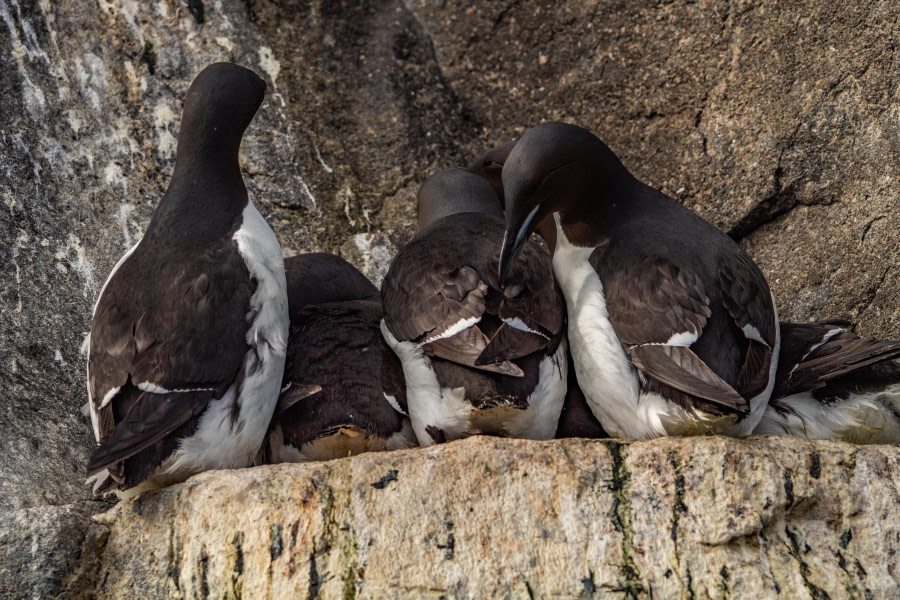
[658,311]
[423,301]
[153,417]
[746,295]
[467,348]
[442,284]
[747,299]
[338,347]
[834,354]
[436,287]
[171,333]
[652,300]
[531,307]
[681,369]
[509,343]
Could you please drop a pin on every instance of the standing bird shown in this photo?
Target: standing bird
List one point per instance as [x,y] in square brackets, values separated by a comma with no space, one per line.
[187,343]
[831,384]
[672,327]
[576,418]
[343,392]
[477,358]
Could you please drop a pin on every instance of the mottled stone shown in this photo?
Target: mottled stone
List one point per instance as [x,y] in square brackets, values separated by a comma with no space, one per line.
[486,518]
[50,552]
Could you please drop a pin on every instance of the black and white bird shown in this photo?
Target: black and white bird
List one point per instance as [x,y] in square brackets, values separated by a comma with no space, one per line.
[344,392]
[831,384]
[187,344]
[576,418]
[477,357]
[672,327]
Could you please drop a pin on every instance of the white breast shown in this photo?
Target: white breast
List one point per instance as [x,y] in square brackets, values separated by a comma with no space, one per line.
[540,419]
[219,443]
[606,376]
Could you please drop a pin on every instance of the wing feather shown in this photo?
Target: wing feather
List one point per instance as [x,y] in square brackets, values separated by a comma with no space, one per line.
[166,330]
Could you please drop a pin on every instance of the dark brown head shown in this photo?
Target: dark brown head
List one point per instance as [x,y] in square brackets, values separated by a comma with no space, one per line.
[219,106]
[490,167]
[455,191]
[555,167]
[207,193]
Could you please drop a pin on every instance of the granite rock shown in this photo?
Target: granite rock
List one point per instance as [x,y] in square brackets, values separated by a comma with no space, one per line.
[487,518]
[50,552]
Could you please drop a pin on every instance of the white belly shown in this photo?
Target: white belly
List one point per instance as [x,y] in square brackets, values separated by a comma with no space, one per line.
[606,376]
[429,404]
[870,418]
[220,443]
[539,420]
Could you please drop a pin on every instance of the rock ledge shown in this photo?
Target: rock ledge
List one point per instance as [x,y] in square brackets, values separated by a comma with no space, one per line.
[486,517]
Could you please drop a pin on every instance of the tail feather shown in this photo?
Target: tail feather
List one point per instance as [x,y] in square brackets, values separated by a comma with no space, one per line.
[817,354]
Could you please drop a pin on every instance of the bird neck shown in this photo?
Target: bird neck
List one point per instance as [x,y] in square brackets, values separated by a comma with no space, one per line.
[593,211]
[203,202]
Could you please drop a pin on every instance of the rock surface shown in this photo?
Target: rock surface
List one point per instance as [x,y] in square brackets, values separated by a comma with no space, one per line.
[50,552]
[492,518]
[778,122]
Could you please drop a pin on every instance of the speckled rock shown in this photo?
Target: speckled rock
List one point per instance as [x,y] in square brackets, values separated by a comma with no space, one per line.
[778,122]
[50,552]
[491,518]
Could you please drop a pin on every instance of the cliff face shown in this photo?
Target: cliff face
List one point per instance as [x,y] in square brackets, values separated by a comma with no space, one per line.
[697,518]
[779,123]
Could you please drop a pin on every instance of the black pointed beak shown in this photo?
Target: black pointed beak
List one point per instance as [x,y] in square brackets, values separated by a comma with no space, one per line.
[513,241]
[507,257]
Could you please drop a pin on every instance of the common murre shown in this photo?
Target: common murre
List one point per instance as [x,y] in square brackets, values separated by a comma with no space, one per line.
[344,392]
[187,343]
[478,358]
[672,327]
[832,384]
[576,418]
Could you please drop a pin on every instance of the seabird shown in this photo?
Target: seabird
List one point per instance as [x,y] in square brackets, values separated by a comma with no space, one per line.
[672,327]
[187,344]
[576,418]
[831,384]
[344,391]
[478,357]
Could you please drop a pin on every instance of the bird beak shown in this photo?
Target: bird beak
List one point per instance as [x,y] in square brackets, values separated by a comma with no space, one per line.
[512,244]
